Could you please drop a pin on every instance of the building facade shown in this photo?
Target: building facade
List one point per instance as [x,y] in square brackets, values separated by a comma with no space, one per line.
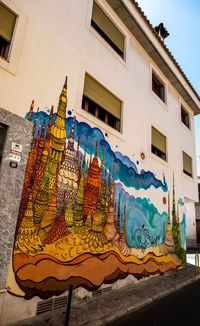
[128,97]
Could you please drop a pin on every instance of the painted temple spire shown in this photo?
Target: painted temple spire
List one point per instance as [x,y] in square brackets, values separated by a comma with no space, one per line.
[60,229]
[69,214]
[79,169]
[169,215]
[31,111]
[86,177]
[92,189]
[118,215]
[110,230]
[101,179]
[90,157]
[77,157]
[98,220]
[58,135]
[38,179]
[50,217]
[174,201]
[67,174]
[27,239]
[168,239]
[178,225]
[108,192]
[34,124]
[36,169]
[56,148]
[124,226]
[174,224]
[103,202]
[78,208]
[48,135]
[28,174]
[88,222]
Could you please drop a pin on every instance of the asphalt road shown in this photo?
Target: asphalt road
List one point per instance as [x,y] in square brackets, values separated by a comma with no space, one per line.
[179,308]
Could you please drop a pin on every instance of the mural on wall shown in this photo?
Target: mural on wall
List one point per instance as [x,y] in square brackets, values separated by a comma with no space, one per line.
[78,222]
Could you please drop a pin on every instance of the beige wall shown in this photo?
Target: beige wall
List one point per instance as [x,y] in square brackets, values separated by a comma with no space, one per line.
[53,39]
[57,40]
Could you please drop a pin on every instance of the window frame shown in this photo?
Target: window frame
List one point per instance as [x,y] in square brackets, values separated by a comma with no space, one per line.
[185,173]
[165,160]
[153,73]
[98,106]
[9,43]
[182,107]
[116,25]
[10,65]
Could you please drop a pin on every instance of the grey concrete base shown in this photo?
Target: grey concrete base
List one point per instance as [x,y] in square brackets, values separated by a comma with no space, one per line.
[109,307]
[191,243]
[11,182]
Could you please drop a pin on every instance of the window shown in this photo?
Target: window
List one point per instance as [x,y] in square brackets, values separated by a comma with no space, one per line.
[185,117]
[98,101]
[158,143]
[158,87]
[102,24]
[199,191]
[187,164]
[7,24]
[3,132]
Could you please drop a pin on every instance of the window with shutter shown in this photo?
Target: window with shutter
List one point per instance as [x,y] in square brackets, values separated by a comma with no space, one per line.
[7,24]
[158,143]
[158,87]
[101,103]
[187,164]
[105,27]
[185,117]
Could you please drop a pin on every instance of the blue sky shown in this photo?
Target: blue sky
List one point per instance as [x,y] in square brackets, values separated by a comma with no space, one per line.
[182,20]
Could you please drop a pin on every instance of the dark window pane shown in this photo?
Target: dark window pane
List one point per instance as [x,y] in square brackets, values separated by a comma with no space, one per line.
[185,118]
[188,173]
[158,87]
[91,107]
[103,115]
[107,39]
[3,132]
[157,152]
[4,48]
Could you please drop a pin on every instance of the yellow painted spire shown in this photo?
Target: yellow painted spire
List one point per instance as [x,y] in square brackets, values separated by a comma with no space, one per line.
[169,219]
[59,125]
[58,132]
[77,157]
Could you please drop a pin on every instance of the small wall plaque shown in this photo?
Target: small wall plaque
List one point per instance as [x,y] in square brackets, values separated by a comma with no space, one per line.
[13,164]
[16,152]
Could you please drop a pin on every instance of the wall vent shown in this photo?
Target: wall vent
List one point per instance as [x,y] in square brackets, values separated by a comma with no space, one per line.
[52,304]
[102,291]
[44,306]
[60,302]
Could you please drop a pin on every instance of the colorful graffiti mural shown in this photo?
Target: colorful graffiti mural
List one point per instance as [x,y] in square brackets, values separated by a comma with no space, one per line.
[77,222]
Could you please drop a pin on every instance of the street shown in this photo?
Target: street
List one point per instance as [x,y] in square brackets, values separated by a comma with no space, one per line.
[179,308]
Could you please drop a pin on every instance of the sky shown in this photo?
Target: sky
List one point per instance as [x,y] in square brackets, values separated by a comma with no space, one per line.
[182,20]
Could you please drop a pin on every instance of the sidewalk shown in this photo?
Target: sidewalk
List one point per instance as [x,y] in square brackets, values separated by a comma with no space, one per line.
[108,307]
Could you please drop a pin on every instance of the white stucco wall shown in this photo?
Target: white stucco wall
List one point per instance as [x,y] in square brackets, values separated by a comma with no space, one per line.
[54,39]
[57,41]
[190,223]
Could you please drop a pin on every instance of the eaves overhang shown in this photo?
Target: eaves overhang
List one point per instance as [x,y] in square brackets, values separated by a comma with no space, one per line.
[154,46]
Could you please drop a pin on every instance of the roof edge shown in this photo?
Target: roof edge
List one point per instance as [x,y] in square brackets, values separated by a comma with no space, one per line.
[117,5]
